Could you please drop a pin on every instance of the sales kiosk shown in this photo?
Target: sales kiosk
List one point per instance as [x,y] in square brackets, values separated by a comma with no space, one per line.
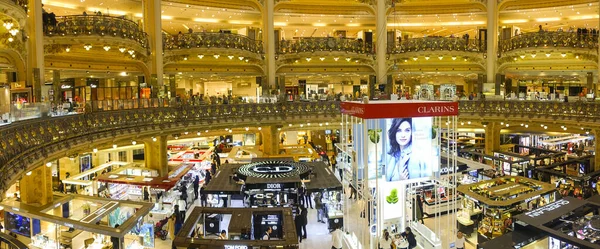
[245,228]
[565,224]
[78,221]
[274,182]
[496,201]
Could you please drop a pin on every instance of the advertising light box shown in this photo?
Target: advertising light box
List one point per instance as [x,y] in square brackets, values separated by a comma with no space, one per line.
[401,144]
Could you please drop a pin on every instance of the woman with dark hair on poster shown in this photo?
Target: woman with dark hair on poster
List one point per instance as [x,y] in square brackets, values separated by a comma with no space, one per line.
[402,162]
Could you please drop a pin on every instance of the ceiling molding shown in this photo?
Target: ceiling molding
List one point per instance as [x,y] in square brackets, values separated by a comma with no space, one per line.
[437,8]
[210,68]
[329,70]
[324,8]
[237,4]
[84,63]
[538,4]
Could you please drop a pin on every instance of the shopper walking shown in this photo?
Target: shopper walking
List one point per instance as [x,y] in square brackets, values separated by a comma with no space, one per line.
[298,224]
[410,237]
[304,217]
[460,241]
[196,186]
[301,201]
[307,195]
[171,227]
[146,194]
[179,218]
[203,201]
[336,238]
[385,242]
[319,206]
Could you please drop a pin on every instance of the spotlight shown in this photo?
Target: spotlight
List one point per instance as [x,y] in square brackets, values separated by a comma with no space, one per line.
[114,146]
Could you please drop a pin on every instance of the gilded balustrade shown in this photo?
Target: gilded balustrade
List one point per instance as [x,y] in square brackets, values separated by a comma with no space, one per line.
[25,142]
[212,40]
[20,3]
[555,39]
[324,44]
[436,44]
[101,25]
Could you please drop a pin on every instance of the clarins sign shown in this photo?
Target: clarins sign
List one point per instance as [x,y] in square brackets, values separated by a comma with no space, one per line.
[399,109]
[436,109]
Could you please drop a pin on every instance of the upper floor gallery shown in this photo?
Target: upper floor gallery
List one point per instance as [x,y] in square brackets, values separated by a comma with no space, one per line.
[274,37]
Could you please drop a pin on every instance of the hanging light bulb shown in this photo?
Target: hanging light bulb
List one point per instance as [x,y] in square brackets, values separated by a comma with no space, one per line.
[131,51]
[13,32]
[8,24]
[68,49]
[185,58]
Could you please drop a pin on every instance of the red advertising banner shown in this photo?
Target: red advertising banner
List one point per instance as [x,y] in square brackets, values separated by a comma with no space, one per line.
[405,109]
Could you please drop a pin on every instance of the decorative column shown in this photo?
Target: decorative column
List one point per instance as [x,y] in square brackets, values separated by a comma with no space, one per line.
[381,44]
[269,43]
[172,85]
[35,49]
[155,154]
[492,137]
[270,140]
[596,163]
[36,188]
[153,27]
[492,42]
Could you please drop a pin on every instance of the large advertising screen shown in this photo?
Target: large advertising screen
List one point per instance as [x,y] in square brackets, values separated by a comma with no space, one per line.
[409,150]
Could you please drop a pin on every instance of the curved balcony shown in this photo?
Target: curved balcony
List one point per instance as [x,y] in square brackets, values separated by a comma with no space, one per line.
[97,25]
[555,39]
[324,44]
[437,44]
[21,3]
[212,40]
[26,144]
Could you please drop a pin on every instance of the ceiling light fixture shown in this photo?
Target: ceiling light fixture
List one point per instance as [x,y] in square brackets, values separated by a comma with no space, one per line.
[200,56]
[415,58]
[322,58]
[13,32]
[441,57]
[87,47]
[114,146]
[259,128]
[153,139]
[95,150]
[68,49]
[308,58]
[522,56]
[241,57]
[122,49]
[106,48]
[48,164]
[336,58]
[427,57]
[563,55]
[453,58]
[133,142]
[548,55]
[216,56]
[230,57]
[348,59]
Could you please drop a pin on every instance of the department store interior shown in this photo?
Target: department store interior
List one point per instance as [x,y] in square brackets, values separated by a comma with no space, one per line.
[299,124]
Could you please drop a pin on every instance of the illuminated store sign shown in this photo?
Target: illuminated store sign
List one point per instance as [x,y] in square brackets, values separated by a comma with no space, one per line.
[235,247]
[548,208]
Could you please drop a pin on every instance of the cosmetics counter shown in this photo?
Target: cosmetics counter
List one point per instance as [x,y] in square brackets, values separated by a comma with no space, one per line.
[203,225]
[489,206]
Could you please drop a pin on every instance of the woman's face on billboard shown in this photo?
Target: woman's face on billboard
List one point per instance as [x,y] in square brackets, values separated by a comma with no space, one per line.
[403,134]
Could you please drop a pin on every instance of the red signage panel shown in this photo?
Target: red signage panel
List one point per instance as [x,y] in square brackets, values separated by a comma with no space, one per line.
[389,109]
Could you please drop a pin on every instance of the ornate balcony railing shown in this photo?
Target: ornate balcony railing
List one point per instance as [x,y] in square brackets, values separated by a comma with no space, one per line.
[437,44]
[212,40]
[548,110]
[25,142]
[20,3]
[324,44]
[549,40]
[101,25]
